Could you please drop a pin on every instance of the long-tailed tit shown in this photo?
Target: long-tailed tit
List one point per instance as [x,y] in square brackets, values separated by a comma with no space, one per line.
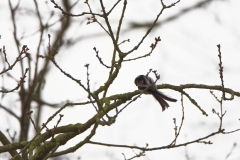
[144,82]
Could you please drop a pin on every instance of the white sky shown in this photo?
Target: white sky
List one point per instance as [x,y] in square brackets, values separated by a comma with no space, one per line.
[187,54]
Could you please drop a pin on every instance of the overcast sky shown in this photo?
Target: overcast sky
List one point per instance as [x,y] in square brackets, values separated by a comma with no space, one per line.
[187,54]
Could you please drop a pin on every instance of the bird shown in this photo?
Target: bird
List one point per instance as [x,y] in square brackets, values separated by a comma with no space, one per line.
[147,85]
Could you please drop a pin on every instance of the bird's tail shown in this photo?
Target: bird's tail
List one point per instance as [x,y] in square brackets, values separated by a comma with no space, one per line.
[161,98]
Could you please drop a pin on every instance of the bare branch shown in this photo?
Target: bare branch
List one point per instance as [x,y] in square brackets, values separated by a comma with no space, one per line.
[22,80]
